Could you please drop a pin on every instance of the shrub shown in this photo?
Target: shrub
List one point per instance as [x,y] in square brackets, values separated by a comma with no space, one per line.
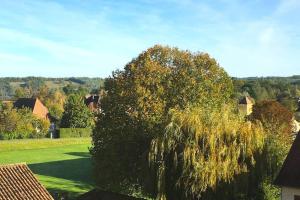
[21,123]
[75,132]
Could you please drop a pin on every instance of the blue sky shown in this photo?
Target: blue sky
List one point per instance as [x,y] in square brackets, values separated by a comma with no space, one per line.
[94,37]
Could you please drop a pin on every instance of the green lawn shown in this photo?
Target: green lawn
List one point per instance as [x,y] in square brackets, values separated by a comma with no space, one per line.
[60,164]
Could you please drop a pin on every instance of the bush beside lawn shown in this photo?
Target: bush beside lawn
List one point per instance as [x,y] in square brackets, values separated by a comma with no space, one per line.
[75,132]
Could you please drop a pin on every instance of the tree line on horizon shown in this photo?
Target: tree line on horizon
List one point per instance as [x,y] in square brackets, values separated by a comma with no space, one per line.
[286,90]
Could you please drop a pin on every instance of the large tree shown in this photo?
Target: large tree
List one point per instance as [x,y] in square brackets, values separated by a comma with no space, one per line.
[136,107]
[277,124]
[76,113]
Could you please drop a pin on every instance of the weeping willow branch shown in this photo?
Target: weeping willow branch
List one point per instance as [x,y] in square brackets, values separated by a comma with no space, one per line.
[207,145]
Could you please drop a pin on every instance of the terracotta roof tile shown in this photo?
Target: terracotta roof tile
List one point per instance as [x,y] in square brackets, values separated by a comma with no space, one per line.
[34,104]
[17,182]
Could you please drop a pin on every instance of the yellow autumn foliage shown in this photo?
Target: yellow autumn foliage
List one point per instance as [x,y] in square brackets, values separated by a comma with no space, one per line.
[211,145]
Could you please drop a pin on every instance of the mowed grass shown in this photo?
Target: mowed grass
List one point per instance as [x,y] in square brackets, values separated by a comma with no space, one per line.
[59,164]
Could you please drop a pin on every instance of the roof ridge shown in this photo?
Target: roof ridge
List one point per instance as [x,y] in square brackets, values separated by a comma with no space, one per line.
[13,164]
[17,180]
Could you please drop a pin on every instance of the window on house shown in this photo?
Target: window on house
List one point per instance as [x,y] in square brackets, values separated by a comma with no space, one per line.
[296,197]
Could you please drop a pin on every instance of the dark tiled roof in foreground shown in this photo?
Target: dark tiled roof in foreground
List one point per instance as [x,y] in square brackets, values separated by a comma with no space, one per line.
[289,174]
[17,182]
[97,194]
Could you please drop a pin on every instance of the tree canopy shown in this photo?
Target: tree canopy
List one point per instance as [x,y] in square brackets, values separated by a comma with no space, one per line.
[274,116]
[136,111]
[76,113]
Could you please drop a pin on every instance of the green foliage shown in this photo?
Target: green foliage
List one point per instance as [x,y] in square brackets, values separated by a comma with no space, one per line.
[72,89]
[17,124]
[136,105]
[75,132]
[285,90]
[269,191]
[55,101]
[76,113]
[20,93]
[276,121]
[204,147]
[30,86]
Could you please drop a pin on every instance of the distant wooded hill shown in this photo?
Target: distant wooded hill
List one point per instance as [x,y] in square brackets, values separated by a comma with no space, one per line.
[286,90]
[9,85]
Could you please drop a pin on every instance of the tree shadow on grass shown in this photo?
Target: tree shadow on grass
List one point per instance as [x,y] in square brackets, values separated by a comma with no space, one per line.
[77,172]
[80,154]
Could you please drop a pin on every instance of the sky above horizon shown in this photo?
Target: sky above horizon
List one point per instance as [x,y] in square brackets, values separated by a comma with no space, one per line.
[63,38]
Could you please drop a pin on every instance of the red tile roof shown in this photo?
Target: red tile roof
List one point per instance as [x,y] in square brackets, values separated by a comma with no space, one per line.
[93,102]
[33,104]
[17,182]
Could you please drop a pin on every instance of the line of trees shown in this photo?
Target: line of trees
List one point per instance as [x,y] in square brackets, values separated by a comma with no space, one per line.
[68,111]
[284,90]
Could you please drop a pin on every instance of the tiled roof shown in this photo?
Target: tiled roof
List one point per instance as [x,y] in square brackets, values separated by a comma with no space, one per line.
[25,102]
[17,182]
[289,174]
[33,104]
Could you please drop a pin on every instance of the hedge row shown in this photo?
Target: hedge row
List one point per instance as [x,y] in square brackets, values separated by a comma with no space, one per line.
[75,132]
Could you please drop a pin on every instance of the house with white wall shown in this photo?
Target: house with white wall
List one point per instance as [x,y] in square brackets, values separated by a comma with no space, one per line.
[288,178]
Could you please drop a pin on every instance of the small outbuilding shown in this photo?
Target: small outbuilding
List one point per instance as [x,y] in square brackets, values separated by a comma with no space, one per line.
[288,178]
[17,182]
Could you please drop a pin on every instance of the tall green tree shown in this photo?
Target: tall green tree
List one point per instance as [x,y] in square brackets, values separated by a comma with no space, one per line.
[136,106]
[20,93]
[76,113]
[55,101]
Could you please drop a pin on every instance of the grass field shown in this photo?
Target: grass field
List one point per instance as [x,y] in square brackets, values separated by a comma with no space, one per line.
[60,164]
